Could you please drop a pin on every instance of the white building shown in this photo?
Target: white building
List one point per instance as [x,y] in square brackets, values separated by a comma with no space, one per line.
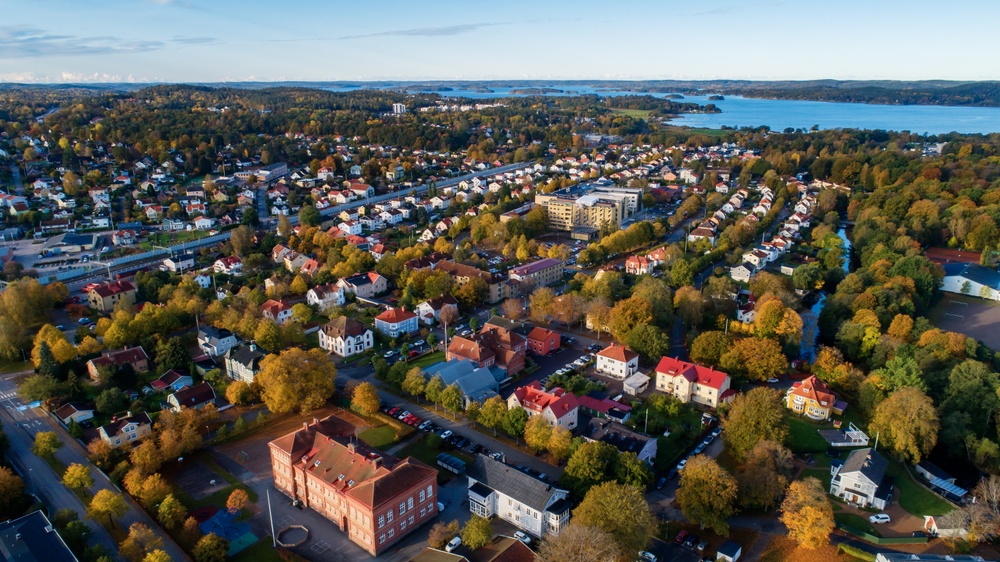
[536,507]
[345,337]
[617,361]
[326,296]
[861,479]
[215,342]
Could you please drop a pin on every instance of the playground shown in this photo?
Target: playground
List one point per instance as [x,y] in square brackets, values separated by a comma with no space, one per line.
[223,523]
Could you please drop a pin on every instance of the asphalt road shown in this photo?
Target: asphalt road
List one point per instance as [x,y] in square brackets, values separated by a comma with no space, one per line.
[22,426]
[18,184]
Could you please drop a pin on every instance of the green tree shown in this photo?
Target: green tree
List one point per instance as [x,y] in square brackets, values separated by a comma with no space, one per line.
[414,383]
[434,388]
[172,354]
[707,494]
[708,347]
[588,466]
[649,342]
[110,401]
[47,365]
[38,387]
[451,398]
[365,399]
[907,423]
[560,443]
[171,512]
[477,532]
[619,510]
[211,548]
[514,422]
[309,216]
[492,413]
[754,416]
[46,443]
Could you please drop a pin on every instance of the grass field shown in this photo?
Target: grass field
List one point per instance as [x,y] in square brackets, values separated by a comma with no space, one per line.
[696,131]
[914,498]
[821,474]
[634,113]
[856,521]
[428,360]
[379,437]
[803,435]
[14,366]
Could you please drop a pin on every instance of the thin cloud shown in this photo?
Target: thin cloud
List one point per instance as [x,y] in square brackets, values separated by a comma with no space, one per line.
[194,40]
[440,31]
[22,41]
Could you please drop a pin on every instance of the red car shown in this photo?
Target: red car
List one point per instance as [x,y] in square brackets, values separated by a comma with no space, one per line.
[393,411]
[414,421]
[680,537]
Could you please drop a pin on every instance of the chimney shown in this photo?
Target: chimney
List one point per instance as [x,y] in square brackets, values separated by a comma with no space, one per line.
[253,346]
[352,447]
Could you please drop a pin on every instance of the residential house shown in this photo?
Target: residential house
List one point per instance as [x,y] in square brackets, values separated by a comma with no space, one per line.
[693,383]
[374,498]
[365,285]
[814,399]
[74,411]
[126,430]
[326,296]
[862,479]
[622,438]
[617,361]
[493,345]
[243,362]
[279,252]
[350,227]
[133,356]
[498,289]
[215,342]
[971,279]
[345,337]
[104,297]
[477,384]
[556,406]
[194,397]
[279,312]
[395,322]
[743,272]
[172,380]
[536,507]
[638,265]
[179,263]
[543,342]
[430,310]
[294,261]
[231,265]
[123,237]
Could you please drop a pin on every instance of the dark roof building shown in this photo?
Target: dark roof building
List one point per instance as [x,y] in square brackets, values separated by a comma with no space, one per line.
[32,538]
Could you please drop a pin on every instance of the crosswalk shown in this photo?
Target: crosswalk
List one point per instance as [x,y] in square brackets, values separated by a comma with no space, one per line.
[8,395]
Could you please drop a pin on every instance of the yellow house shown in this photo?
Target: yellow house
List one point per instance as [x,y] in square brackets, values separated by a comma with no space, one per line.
[812,398]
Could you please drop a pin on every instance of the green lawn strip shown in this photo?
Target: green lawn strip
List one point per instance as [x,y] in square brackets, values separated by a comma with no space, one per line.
[260,551]
[857,522]
[428,360]
[379,437]
[823,475]
[14,366]
[914,498]
[634,113]
[803,435]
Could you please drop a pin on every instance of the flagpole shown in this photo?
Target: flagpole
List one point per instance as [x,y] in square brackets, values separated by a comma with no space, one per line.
[274,538]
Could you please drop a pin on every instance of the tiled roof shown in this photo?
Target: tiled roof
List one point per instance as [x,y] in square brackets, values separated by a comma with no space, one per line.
[705,376]
[116,426]
[195,395]
[121,357]
[814,389]
[511,482]
[343,326]
[618,353]
[395,315]
[534,397]
[109,289]
[868,462]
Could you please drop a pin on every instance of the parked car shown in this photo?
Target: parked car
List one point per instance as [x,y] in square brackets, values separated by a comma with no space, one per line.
[418,343]
[672,474]
[424,426]
[441,506]
[717,432]
[447,433]
[681,537]
[879,518]
[690,541]
[773,381]
[701,546]
[453,544]
[699,448]
[682,464]
[519,535]
[389,353]
[661,483]
[647,556]
[403,414]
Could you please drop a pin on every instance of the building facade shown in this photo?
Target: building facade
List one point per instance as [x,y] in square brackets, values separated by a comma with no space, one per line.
[103,298]
[539,273]
[122,431]
[345,337]
[690,382]
[556,406]
[396,322]
[496,489]
[617,361]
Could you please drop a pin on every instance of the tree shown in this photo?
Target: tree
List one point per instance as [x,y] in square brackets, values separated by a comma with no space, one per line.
[541,304]
[441,533]
[433,389]
[12,498]
[477,532]
[46,443]
[708,347]
[560,443]
[414,383]
[707,493]
[753,417]
[111,401]
[107,504]
[241,238]
[172,354]
[681,273]
[588,466]
[513,309]
[149,489]
[365,398]
[631,471]
[239,393]
[296,380]
[514,422]
[807,513]
[237,500]
[38,387]
[492,413]
[537,433]
[267,335]
[627,315]
[900,372]
[147,457]
[451,398]
[299,286]
[46,364]
[619,510]
[649,341]
[765,476]
[210,548]
[284,227]
[908,423]
[580,543]
[140,542]
[99,452]
[157,556]
[77,477]
[171,512]
[309,216]
[755,359]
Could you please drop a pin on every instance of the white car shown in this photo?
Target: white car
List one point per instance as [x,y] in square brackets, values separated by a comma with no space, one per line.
[453,544]
[446,434]
[648,556]
[879,518]
[522,537]
[773,381]
[388,354]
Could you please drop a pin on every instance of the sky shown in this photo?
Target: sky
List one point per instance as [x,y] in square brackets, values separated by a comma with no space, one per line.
[76,41]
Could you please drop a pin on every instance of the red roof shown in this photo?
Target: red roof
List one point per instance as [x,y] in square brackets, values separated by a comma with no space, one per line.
[533,397]
[395,315]
[814,389]
[705,376]
[618,353]
[275,307]
[540,334]
[108,289]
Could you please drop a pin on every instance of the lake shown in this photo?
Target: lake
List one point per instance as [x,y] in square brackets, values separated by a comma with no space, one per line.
[781,114]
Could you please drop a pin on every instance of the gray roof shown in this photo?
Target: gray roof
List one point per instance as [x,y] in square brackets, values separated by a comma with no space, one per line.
[31,538]
[247,355]
[475,383]
[868,462]
[511,482]
[729,548]
[213,334]
[614,433]
[975,273]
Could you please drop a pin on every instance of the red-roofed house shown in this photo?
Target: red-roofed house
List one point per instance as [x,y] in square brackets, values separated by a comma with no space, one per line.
[638,265]
[280,312]
[690,382]
[396,322]
[134,356]
[104,297]
[617,361]
[558,407]
[542,341]
[813,398]
[231,265]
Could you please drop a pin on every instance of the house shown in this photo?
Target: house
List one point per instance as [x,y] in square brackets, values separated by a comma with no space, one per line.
[971,279]
[294,261]
[542,341]
[496,489]
[477,384]
[33,537]
[104,297]
[325,296]
[74,411]
[123,237]
[179,263]
[861,479]
[556,406]
[345,337]
[194,397]
[693,383]
[429,311]
[279,312]
[365,285]
[278,253]
[395,322]
[743,272]
[617,361]
[243,362]
[374,498]
[172,380]
[493,345]
[638,265]
[728,551]
[231,265]
[814,399]
[215,342]
[126,430]
[623,438]
[135,357]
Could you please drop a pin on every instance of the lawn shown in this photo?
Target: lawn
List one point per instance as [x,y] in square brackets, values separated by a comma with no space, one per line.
[696,131]
[856,522]
[823,475]
[914,498]
[634,113]
[803,436]
[173,237]
[379,437]
[428,360]
[14,366]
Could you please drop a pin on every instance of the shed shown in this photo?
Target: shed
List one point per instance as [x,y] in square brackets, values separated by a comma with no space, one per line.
[636,384]
[728,552]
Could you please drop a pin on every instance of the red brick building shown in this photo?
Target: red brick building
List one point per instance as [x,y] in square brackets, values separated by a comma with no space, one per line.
[493,345]
[543,342]
[375,498]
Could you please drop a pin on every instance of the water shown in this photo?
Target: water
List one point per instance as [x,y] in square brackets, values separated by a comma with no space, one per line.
[810,318]
[780,114]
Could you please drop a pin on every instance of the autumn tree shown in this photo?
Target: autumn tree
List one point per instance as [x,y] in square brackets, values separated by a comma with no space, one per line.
[140,542]
[620,511]
[560,443]
[477,532]
[210,548]
[541,304]
[365,398]
[433,389]
[239,393]
[754,416]
[807,513]
[627,315]
[908,423]
[755,359]
[707,493]
[709,347]
[46,443]
[237,500]
[149,489]
[77,477]
[62,350]
[242,239]
[775,320]
[171,512]
[441,533]
[580,543]
[514,422]
[296,380]
[513,309]
[414,383]
[12,497]
[107,505]
[690,304]
[451,398]
[765,475]
[537,433]
[492,413]
[588,466]
[157,556]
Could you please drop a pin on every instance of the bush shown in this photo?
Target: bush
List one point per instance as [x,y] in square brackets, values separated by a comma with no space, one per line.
[855,552]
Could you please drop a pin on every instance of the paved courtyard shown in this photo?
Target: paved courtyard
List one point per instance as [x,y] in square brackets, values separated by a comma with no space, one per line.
[976,318]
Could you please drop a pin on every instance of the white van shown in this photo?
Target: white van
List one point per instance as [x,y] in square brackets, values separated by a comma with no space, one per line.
[453,544]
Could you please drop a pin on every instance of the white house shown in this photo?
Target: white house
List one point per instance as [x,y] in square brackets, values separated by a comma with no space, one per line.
[345,337]
[971,279]
[742,272]
[325,296]
[429,311]
[215,342]
[861,479]
[128,429]
[496,489]
[617,361]
[350,227]
[243,362]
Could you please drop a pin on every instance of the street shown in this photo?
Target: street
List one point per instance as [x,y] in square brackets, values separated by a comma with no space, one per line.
[21,424]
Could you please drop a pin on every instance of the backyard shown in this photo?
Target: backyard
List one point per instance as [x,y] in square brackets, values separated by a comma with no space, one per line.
[427,454]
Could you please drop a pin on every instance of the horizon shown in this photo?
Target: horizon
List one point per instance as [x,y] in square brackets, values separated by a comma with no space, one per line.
[194,41]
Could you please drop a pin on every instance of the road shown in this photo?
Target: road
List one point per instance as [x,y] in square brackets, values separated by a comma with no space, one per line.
[18,184]
[21,427]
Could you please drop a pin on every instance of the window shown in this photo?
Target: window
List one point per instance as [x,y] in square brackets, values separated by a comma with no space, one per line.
[381,521]
[402,508]
[423,496]
[388,516]
[411,520]
[381,538]
[423,511]
[409,503]
[392,532]
[430,491]
[402,524]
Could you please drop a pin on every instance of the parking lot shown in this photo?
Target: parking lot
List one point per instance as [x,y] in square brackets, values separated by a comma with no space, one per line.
[974,317]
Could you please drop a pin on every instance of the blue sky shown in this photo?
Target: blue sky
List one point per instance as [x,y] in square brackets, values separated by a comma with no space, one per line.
[228,40]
